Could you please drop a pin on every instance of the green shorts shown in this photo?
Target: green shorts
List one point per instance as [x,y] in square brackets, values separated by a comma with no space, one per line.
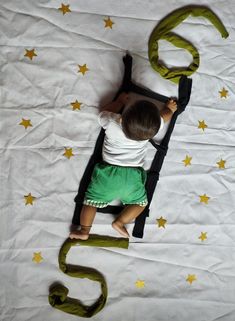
[112,182]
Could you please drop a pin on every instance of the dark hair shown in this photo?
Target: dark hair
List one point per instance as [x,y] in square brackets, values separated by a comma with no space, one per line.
[141,121]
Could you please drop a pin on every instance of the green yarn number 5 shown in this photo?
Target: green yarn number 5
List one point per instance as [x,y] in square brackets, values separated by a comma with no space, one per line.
[162,31]
[58,293]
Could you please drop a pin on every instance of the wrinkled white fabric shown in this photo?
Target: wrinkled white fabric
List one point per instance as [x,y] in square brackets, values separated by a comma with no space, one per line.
[32,161]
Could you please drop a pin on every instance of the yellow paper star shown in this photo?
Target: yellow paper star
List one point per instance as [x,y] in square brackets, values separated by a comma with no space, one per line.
[26,123]
[76,105]
[29,199]
[187,160]
[202,125]
[221,163]
[191,278]
[203,236]
[64,8]
[204,199]
[140,284]
[68,152]
[37,257]
[83,69]
[108,23]
[161,222]
[30,53]
[223,93]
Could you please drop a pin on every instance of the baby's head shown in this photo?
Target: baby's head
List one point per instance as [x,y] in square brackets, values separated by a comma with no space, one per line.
[141,121]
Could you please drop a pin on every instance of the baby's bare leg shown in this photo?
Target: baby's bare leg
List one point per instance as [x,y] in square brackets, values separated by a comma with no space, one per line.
[129,213]
[86,219]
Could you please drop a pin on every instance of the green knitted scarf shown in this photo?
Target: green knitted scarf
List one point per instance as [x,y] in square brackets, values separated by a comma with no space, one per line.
[163,31]
[58,294]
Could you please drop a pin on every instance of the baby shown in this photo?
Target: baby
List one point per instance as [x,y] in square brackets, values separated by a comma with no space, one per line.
[121,175]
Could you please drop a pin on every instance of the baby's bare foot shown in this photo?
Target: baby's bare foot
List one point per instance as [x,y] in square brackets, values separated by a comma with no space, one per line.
[79,235]
[118,226]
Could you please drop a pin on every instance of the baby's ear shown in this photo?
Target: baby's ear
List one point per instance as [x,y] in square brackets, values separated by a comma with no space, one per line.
[120,120]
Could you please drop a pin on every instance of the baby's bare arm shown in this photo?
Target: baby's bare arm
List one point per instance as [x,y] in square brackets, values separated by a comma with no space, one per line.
[116,105]
[169,109]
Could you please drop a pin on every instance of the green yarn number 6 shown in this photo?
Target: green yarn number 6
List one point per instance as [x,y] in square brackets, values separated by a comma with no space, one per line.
[58,294]
[162,31]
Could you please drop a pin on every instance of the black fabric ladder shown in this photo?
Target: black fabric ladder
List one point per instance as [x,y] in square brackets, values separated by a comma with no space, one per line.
[184,92]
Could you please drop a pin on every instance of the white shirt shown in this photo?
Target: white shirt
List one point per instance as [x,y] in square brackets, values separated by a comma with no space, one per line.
[117,148]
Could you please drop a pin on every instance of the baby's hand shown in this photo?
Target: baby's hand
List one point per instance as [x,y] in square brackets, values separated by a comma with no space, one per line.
[172,105]
[123,98]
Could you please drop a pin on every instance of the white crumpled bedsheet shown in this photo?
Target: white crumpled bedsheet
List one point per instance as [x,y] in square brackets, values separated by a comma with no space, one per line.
[33,163]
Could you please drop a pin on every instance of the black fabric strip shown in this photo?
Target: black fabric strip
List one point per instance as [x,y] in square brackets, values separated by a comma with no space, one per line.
[97,154]
[185,86]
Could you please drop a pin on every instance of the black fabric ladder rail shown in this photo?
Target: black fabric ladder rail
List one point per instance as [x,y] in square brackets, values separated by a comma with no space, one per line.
[184,92]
